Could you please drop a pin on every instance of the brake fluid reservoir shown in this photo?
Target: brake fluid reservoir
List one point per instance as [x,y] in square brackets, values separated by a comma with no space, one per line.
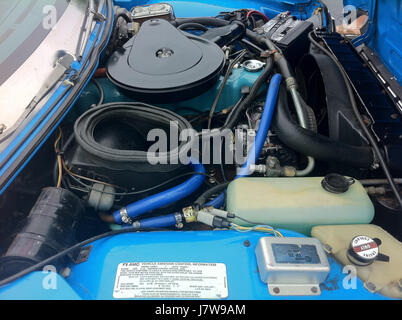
[299,204]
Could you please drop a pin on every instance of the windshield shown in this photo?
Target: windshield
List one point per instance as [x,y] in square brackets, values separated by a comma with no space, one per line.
[34,34]
[24,24]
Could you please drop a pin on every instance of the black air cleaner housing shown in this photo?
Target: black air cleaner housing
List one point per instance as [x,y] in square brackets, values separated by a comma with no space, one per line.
[163,64]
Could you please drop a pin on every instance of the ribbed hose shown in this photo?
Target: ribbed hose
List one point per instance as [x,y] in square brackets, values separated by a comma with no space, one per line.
[320,147]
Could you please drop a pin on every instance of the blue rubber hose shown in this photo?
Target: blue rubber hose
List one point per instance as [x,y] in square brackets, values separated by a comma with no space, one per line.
[158,222]
[260,138]
[166,221]
[164,198]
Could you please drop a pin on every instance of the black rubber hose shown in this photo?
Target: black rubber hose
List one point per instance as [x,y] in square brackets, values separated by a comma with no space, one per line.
[101,92]
[279,58]
[254,91]
[309,114]
[70,250]
[193,26]
[119,13]
[202,199]
[315,145]
[206,21]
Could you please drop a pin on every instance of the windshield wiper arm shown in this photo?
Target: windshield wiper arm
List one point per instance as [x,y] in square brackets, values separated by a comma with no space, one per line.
[63,64]
[93,15]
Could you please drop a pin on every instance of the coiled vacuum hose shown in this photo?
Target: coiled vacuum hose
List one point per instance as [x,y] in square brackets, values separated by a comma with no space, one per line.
[312,144]
[164,198]
[260,138]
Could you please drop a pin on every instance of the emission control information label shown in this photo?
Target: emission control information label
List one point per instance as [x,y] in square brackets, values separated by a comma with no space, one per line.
[177,280]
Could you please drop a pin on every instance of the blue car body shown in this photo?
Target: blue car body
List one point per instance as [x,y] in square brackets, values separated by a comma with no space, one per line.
[94,278]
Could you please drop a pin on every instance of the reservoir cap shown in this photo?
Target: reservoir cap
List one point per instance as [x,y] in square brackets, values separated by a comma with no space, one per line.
[335,183]
[364,250]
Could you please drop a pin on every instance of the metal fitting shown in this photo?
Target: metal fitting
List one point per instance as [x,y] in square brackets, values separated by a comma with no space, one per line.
[125,217]
[189,214]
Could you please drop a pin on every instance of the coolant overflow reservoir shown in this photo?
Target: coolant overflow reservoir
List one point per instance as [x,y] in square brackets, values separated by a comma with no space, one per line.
[298,204]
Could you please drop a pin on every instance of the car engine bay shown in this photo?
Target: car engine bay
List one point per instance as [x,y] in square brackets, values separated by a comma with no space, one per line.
[239,123]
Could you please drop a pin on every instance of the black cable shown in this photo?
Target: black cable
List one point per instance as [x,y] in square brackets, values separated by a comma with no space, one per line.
[223,84]
[251,45]
[144,190]
[221,164]
[370,137]
[248,221]
[238,103]
[101,92]
[244,104]
[68,251]
[210,192]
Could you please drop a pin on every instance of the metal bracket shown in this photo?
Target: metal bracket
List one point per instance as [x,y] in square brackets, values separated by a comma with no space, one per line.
[82,255]
[98,16]
[294,289]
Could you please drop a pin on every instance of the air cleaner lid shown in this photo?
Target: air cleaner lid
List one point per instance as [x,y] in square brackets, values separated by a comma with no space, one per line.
[162,60]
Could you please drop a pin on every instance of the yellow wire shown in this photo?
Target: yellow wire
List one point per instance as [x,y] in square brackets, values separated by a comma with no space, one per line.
[87,179]
[62,164]
[262,229]
[59,159]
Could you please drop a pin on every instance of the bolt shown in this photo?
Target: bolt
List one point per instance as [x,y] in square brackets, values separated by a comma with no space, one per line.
[276,290]
[179,225]
[394,116]
[328,248]
[370,286]
[314,290]
[246,243]
[2,128]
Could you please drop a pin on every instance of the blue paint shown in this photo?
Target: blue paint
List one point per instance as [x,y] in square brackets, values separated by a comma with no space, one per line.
[32,288]
[94,279]
[387,35]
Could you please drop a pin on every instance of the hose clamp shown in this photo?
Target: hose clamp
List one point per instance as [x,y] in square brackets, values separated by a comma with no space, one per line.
[137,225]
[291,83]
[125,217]
[268,53]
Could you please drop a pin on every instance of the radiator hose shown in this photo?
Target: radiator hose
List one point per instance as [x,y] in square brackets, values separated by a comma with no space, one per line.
[315,145]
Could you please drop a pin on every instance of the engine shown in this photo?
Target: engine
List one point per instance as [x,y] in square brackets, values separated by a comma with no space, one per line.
[229,122]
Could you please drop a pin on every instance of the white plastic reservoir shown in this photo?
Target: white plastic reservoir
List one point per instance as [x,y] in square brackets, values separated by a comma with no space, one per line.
[297,204]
